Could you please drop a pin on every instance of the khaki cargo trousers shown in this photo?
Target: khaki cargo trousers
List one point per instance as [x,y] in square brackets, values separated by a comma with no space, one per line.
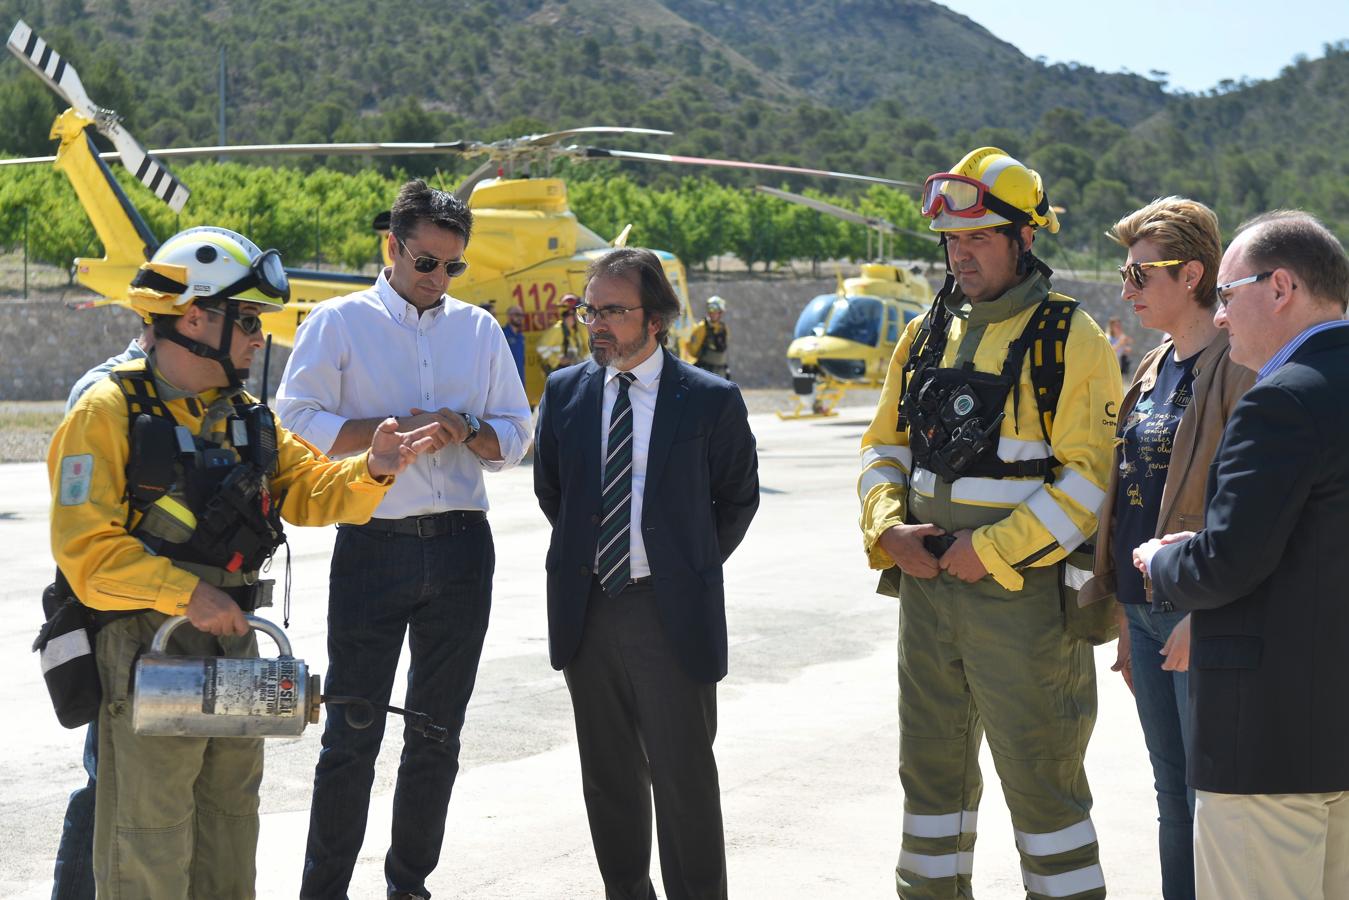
[174,817]
[975,659]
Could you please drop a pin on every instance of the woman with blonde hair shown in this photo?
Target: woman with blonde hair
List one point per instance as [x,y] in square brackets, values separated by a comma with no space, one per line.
[1170,422]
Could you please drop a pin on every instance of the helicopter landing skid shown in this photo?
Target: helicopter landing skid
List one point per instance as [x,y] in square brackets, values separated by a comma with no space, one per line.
[816,406]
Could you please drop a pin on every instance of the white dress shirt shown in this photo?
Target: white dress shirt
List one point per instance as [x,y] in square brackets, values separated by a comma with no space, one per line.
[370,354]
[642,396]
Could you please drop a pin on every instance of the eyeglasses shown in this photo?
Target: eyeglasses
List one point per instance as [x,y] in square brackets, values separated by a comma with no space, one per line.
[428,264]
[1134,271]
[249,323]
[589,315]
[1225,290]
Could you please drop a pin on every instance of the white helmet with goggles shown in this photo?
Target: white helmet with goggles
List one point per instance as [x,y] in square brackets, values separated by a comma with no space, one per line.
[206,264]
[716,304]
[987,188]
[217,269]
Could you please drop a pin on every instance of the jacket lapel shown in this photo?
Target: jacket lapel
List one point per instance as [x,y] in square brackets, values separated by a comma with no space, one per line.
[590,403]
[670,399]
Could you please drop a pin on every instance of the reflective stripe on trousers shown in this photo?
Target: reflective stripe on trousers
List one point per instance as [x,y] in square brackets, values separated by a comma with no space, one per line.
[975,657]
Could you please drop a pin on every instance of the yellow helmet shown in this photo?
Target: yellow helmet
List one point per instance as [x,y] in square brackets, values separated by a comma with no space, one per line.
[986,189]
[208,264]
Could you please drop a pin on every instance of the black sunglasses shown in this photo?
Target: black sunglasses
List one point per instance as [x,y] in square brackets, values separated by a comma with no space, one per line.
[249,323]
[427,264]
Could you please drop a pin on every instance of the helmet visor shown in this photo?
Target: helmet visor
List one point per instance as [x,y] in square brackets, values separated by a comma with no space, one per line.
[266,275]
[271,275]
[958,195]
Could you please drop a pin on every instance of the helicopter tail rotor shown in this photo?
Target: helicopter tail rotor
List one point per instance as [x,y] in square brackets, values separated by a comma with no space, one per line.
[61,77]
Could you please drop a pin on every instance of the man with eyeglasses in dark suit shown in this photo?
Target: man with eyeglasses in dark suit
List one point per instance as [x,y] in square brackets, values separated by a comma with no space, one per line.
[423,565]
[1266,579]
[647,470]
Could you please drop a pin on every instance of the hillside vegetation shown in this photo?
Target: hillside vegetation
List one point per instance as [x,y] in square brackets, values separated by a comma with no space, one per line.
[889,87]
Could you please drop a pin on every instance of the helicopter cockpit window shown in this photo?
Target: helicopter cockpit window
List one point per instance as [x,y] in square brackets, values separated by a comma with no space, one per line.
[857,319]
[892,326]
[811,320]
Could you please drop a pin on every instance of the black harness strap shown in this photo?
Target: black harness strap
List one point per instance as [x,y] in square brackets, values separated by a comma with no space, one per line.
[1044,339]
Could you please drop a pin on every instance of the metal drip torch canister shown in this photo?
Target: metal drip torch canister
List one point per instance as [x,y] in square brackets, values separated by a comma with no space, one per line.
[188,696]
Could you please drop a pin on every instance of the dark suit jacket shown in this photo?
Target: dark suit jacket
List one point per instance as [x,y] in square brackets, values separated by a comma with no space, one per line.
[1268,579]
[702,490]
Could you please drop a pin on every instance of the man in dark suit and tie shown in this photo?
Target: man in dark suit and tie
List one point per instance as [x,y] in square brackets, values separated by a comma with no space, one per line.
[1268,580]
[647,470]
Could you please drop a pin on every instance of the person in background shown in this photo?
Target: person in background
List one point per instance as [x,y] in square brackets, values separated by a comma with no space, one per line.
[1171,420]
[566,342]
[1122,343]
[515,338]
[73,876]
[707,346]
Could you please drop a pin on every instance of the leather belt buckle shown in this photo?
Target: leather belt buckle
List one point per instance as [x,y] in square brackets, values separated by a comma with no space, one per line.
[427,526]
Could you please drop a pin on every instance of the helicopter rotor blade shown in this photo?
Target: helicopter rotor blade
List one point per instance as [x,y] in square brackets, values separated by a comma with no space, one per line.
[27,161]
[417,148]
[882,225]
[51,67]
[599,153]
[61,77]
[554,137]
[148,170]
[830,209]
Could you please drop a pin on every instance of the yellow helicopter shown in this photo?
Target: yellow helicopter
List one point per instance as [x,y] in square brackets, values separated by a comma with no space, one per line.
[843,341]
[528,248]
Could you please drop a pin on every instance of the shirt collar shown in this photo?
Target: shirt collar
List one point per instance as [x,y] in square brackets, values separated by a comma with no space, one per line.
[1285,353]
[647,372]
[1025,293]
[401,310]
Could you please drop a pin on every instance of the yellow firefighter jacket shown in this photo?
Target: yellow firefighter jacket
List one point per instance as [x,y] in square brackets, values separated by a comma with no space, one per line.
[1043,522]
[108,568]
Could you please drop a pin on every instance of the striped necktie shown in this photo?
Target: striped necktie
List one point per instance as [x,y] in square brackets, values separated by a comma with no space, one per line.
[615,550]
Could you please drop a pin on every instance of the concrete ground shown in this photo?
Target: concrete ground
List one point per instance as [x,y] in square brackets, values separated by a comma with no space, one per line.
[807,742]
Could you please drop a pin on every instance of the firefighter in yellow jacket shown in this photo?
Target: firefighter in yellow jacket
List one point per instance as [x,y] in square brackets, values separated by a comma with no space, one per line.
[707,346]
[169,484]
[566,342]
[983,469]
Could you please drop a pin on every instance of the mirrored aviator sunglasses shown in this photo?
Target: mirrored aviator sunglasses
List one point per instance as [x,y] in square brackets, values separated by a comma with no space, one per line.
[1136,272]
[427,264]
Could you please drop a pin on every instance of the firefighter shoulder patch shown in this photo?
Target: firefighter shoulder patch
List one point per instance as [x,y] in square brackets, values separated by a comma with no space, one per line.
[77,474]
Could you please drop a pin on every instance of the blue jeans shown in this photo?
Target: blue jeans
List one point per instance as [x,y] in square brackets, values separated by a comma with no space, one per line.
[438,590]
[73,878]
[1163,700]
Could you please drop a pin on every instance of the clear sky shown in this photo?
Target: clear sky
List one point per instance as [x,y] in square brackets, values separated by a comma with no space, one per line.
[1198,43]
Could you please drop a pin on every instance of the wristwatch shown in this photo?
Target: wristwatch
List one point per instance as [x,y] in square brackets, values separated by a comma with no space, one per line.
[474,426]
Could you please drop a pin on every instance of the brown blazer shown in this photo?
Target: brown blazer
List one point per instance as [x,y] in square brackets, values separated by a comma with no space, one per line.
[1218,385]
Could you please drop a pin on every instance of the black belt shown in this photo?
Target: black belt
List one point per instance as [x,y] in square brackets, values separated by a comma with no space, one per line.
[453,522]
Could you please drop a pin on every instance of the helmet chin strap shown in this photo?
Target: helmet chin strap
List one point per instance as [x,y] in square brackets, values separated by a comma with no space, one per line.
[220,355]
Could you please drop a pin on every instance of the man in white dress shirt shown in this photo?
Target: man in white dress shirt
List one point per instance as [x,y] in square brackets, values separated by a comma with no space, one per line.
[423,566]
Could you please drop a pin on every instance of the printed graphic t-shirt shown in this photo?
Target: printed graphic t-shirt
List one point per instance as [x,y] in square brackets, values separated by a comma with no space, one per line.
[1145,457]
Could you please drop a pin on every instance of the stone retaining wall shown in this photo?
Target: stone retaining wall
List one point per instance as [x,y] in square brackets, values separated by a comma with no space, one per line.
[45,346]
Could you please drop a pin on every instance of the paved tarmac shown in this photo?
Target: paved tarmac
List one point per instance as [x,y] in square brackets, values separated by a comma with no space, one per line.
[807,740]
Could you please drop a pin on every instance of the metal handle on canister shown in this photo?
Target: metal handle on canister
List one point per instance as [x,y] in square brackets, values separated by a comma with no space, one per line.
[257,623]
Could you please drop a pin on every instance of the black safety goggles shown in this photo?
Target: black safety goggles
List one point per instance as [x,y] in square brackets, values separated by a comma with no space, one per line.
[266,274]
